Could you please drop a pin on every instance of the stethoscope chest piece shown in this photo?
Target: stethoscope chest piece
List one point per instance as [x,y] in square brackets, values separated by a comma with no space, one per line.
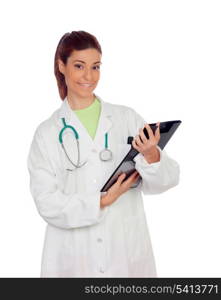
[105,155]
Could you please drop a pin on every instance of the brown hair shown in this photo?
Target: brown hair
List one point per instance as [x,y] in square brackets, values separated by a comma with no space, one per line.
[76,40]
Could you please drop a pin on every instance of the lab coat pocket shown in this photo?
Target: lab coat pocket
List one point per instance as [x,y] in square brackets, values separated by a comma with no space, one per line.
[136,237]
[140,258]
[69,182]
[68,174]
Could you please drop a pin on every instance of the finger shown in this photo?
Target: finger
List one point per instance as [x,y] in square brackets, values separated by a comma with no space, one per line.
[149,130]
[142,136]
[134,144]
[134,179]
[157,132]
[138,141]
[132,176]
[121,177]
[130,181]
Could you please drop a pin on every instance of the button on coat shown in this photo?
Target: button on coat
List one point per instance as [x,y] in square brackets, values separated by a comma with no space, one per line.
[82,239]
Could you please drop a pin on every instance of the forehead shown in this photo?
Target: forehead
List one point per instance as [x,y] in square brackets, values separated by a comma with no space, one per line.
[88,55]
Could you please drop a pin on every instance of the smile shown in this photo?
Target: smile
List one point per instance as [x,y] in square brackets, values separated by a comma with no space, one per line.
[85,84]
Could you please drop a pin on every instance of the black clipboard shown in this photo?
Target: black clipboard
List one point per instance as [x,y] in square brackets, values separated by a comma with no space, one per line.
[127,165]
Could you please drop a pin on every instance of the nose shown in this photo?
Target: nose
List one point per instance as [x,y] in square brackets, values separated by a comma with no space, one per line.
[87,74]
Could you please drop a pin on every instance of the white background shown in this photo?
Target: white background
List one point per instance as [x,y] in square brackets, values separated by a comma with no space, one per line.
[161,58]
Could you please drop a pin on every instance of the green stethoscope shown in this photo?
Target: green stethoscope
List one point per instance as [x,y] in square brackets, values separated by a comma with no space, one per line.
[105,154]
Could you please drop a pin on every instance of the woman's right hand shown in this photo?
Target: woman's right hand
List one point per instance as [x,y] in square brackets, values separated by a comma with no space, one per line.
[118,188]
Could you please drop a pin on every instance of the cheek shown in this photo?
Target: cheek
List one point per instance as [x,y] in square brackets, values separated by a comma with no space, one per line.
[72,78]
[95,75]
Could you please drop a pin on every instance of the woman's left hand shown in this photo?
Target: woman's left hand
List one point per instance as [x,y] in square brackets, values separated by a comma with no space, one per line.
[148,146]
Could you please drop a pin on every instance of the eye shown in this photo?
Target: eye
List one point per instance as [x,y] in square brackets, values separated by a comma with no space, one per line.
[98,67]
[78,66]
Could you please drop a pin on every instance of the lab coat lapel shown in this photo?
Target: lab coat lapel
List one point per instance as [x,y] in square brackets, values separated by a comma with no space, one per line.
[104,125]
[86,143]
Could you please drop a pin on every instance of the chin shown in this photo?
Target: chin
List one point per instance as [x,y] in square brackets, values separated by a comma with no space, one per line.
[84,93]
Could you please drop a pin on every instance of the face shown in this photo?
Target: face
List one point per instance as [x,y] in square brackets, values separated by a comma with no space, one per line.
[82,71]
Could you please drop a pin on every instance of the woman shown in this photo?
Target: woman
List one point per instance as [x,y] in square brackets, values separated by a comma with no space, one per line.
[89,233]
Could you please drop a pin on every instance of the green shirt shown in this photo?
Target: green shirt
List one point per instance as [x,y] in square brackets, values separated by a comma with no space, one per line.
[89,117]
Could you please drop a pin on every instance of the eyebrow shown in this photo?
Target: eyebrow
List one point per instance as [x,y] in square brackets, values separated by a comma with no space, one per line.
[84,61]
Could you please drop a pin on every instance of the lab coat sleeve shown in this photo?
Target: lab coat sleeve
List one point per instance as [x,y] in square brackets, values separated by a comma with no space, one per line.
[56,208]
[157,177]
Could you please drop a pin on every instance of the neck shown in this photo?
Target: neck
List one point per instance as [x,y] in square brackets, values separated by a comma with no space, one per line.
[77,102]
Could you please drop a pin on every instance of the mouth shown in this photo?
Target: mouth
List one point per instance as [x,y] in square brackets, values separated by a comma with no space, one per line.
[87,85]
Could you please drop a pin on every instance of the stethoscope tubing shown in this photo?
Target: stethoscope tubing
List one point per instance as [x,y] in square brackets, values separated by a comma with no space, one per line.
[78,165]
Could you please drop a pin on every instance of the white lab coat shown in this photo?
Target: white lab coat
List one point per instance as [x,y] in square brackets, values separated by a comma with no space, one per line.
[81,239]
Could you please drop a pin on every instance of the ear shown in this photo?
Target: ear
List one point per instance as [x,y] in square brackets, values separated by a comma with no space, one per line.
[61,66]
